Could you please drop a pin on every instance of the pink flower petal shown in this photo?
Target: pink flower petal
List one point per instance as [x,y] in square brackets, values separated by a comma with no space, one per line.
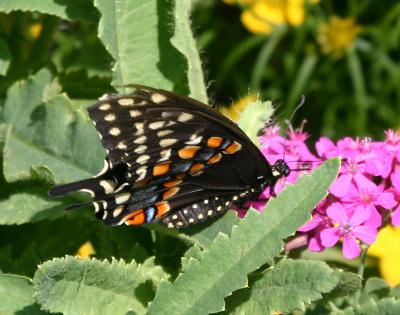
[325,147]
[365,233]
[337,213]
[341,185]
[395,178]
[360,215]
[375,219]
[364,183]
[386,200]
[351,249]
[310,225]
[330,236]
[314,244]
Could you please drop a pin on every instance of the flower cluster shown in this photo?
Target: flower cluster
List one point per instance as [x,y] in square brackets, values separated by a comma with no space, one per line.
[364,197]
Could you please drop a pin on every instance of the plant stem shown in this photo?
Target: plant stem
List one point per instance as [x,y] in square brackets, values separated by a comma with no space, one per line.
[360,272]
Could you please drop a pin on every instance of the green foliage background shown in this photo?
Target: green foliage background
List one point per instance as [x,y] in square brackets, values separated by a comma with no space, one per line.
[58,56]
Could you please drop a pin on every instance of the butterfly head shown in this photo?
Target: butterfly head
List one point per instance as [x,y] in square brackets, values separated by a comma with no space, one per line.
[280,169]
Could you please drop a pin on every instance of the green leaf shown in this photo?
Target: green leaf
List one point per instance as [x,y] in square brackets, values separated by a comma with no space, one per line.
[348,284]
[47,131]
[5,57]
[388,306]
[375,288]
[81,286]
[65,9]
[183,40]
[16,296]
[254,117]
[255,241]
[32,205]
[303,281]
[137,34]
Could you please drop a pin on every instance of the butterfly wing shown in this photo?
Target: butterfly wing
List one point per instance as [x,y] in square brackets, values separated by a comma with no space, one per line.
[166,153]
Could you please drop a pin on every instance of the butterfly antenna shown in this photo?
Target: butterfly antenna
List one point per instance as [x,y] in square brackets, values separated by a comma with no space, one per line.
[288,122]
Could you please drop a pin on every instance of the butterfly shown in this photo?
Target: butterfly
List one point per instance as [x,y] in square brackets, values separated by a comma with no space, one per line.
[170,159]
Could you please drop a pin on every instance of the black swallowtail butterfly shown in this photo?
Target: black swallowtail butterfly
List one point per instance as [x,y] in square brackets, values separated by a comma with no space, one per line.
[170,159]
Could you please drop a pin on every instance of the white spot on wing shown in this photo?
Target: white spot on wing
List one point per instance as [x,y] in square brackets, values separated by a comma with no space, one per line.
[117,211]
[142,159]
[140,140]
[140,149]
[185,117]
[108,186]
[105,106]
[163,133]
[110,117]
[134,113]
[126,101]
[194,140]
[114,131]
[122,146]
[165,155]
[122,198]
[167,142]
[158,98]
[156,125]
[96,207]
[141,171]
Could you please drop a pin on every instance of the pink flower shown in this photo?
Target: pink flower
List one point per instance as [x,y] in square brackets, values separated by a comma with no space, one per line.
[365,196]
[348,228]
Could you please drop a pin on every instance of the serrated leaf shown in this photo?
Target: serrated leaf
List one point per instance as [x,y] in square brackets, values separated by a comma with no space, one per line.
[388,306]
[303,281]
[183,40]
[47,131]
[205,234]
[253,118]
[81,286]
[5,57]
[16,296]
[255,241]
[137,34]
[66,9]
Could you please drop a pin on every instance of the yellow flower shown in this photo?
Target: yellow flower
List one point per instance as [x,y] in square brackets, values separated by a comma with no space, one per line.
[387,250]
[338,34]
[234,111]
[261,16]
[35,29]
[86,250]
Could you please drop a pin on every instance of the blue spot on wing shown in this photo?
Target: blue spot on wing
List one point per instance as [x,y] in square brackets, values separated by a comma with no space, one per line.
[150,214]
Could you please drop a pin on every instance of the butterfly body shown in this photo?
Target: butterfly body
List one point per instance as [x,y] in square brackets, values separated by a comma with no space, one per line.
[170,159]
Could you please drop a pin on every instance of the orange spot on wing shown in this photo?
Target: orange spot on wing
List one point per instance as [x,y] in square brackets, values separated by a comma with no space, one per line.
[161,169]
[172,183]
[135,218]
[170,192]
[214,142]
[234,147]
[188,152]
[196,167]
[162,208]
[215,158]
